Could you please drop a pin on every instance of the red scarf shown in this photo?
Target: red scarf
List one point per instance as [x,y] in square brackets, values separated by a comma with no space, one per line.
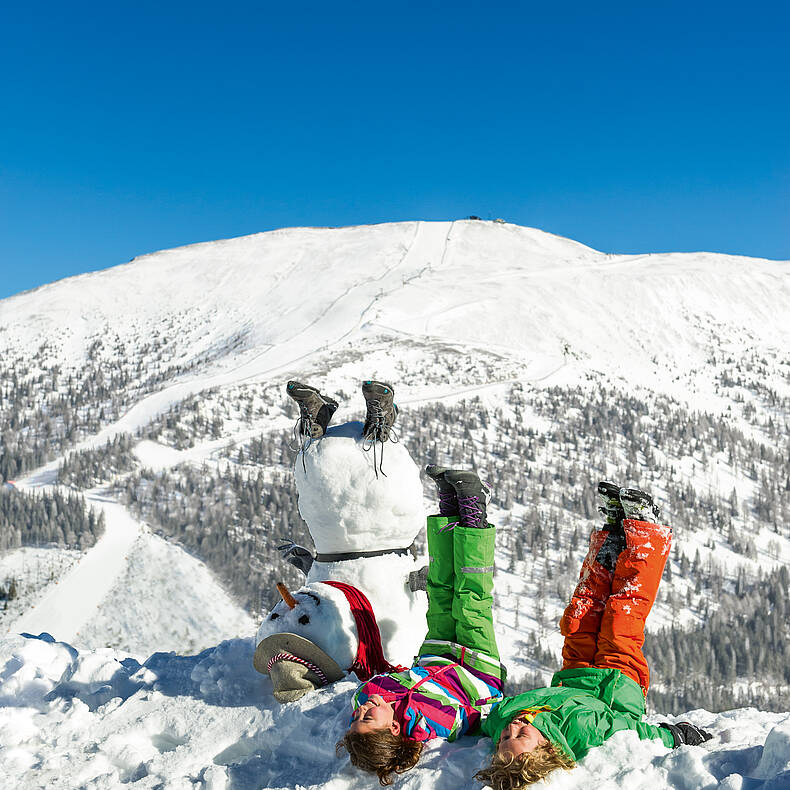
[370,655]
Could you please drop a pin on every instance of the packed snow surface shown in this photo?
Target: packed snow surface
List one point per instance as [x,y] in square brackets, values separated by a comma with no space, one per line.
[75,600]
[35,570]
[132,590]
[100,720]
[176,602]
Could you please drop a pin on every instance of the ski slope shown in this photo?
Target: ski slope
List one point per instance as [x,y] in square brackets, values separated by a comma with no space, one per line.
[70,604]
[133,589]
[297,295]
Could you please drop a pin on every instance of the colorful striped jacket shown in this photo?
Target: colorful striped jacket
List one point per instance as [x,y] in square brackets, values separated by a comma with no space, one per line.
[444,694]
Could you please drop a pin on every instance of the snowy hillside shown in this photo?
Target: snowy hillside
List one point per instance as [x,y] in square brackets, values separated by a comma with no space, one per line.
[155,389]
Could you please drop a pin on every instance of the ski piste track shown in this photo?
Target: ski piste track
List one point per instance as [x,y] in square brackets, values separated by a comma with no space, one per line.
[74,599]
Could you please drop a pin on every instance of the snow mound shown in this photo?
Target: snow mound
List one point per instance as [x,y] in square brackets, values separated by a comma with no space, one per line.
[346,505]
[100,719]
[164,599]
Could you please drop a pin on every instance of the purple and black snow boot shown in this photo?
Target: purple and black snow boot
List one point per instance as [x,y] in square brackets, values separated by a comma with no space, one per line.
[448,501]
[473,496]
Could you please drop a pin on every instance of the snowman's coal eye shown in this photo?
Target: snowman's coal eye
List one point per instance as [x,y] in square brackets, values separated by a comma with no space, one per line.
[304,619]
[273,616]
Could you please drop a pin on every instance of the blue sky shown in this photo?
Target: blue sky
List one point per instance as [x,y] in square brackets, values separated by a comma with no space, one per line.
[632,127]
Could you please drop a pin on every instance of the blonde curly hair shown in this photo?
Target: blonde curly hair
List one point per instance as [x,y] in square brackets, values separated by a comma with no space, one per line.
[507,772]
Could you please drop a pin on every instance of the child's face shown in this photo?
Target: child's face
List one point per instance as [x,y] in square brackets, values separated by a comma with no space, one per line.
[518,738]
[374,715]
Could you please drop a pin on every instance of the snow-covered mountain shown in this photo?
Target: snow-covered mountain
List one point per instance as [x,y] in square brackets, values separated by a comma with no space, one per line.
[260,305]
[546,364]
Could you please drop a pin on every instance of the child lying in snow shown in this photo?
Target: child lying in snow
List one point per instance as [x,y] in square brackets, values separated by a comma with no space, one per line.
[457,674]
[601,688]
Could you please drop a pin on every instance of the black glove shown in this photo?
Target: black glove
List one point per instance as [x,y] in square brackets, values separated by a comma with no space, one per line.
[418,580]
[685,733]
[297,555]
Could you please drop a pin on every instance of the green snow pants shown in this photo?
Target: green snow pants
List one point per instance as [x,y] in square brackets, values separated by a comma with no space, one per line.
[461,585]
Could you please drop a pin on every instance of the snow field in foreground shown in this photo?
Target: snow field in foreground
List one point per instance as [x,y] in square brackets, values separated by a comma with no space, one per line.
[99,719]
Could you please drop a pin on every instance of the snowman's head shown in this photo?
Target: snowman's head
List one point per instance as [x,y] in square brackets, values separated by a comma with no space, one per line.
[307,640]
[320,614]
[347,506]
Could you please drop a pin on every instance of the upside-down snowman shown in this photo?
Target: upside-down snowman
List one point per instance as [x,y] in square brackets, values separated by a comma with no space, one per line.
[359,610]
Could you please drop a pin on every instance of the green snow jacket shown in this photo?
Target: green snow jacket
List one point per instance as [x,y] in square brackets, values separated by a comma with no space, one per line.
[581,709]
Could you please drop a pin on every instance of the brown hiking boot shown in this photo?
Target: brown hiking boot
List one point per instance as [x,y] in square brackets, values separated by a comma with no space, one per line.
[315,409]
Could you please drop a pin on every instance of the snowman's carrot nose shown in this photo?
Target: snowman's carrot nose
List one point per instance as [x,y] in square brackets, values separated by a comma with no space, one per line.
[286,595]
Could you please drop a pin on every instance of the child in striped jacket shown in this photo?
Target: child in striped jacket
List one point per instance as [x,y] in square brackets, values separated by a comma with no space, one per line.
[457,676]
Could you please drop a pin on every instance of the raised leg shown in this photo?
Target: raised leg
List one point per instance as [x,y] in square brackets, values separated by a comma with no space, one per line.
[473,598]
[440,583]
[581,620]
[634,589]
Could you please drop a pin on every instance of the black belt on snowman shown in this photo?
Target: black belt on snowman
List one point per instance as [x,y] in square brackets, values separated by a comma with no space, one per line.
[356,555]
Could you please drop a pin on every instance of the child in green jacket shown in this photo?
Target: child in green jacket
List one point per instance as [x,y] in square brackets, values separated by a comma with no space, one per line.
[601,688]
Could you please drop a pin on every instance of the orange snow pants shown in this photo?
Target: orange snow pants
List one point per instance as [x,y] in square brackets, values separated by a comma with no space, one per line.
[604,623]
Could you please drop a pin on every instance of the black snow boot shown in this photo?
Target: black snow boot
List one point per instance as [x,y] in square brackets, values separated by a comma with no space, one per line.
[612,510]
[638,505]
[315,410]
[448,501]
[473,496]
[610,505]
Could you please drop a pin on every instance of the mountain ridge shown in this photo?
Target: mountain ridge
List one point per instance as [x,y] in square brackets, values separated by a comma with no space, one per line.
[156,393]
[255,288]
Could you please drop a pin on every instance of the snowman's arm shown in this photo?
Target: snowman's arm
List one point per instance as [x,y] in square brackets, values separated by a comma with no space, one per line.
[297,555]
[418,580]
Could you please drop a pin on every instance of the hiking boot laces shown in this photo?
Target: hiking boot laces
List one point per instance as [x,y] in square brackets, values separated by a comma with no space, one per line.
[375,432]
[470,511]
[309,426]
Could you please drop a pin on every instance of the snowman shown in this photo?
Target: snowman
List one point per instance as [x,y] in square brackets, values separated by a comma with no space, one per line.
[359,610]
